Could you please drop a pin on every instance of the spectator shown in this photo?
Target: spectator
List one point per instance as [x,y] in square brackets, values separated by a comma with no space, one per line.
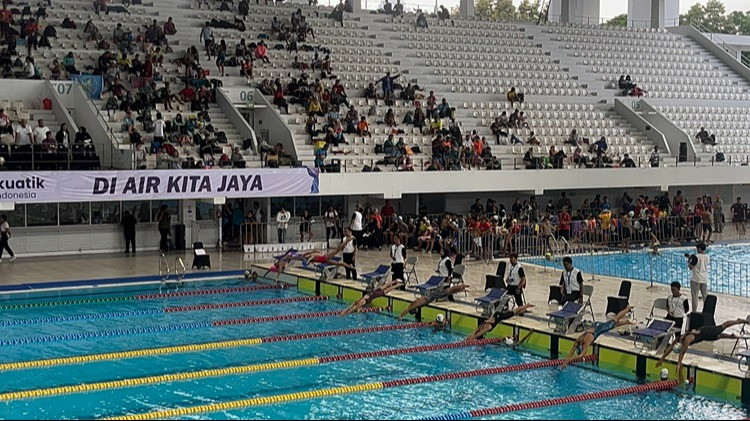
[82,136]
[387,82]
[128,227]
[573,138]
[363,128]
[164,224]
[140,157]
[207,37]
[169,27]
[739,216]
[655,157]
[282,223]
[571,281]
[421,20]
[532,140]
[627,162]
[278,99]
[398,8]
[320,156]
[331,219]
[444,110]
[24,133]
[159,128]
[370,92]
[443,13]
[514,96]
[531,162]
[69,62]
[388,7]
[6,127]
[261,52]
[702,136]
[698,265]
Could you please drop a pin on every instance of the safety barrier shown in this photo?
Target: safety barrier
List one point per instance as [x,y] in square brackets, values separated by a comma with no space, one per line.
[320,393]
[244,304]
[607,394]
[148,352]
[227,371]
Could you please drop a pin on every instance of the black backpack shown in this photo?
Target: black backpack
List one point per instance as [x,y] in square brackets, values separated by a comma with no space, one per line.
[720,157]
[50,32]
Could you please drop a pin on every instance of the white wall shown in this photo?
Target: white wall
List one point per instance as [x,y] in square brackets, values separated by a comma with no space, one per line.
[639,13]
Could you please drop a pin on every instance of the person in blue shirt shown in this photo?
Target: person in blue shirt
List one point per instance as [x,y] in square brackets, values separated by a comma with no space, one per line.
[320,156]
[387,82]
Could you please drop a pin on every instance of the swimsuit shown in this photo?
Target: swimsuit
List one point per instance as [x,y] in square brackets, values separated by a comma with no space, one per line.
[600,328]
[375,294]
[320,259]
[708,333]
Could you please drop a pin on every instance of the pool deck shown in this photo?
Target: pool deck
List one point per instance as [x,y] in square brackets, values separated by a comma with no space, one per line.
[715,376]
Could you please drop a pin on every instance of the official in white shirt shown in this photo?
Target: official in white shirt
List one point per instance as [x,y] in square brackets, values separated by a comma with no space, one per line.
[350,253]
[698,265]
[571,281]
[516,281]
[398,257]
[677,306]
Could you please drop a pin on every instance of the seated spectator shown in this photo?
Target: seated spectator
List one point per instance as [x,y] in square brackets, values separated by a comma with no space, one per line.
[573,138]
[702,135]
[320,155]
[49,144]
[419,117]
[627,162]
[363,128]
[443,13]
[514,96]
[712,140]
[6,127]
[515,140]
[371,92]
[531,161]
[40,131]
[314,108]
[279,101]
[169,27]
[579,158]
[404,163]
[140,157]
[55,70]
[444,110]
[533,140]
[238,161]
[390,118]
[261,52]
[82,136]
[421,20]
[513,119]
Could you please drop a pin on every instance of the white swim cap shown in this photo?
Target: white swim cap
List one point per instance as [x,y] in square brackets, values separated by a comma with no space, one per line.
[664,374]
[440,318]
[509,341]
[631,214]
[247,273]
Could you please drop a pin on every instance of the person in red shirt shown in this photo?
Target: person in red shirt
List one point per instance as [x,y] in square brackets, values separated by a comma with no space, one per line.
[187,93]
[32,35]
[261,52]
[6,19]
[564,223]
[387,211]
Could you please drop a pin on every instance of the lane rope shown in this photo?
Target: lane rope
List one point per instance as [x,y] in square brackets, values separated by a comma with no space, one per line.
[177,294]
[234,370]
[147,352]
[606,394]
[342,390]
[147,312]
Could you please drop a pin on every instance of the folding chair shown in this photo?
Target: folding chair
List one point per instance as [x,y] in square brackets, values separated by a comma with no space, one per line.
[378,277]
[743,333]
[744,363]
[621,301]
[458,274]
[410,269]
[432,284]
[568,319]
[705,317]
[655,336]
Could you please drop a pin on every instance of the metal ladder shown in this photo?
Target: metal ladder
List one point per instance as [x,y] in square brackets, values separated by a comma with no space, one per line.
[164,271]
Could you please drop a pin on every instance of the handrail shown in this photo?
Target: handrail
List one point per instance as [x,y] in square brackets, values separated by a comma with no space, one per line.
[163,267]
[734,52]
[179,264]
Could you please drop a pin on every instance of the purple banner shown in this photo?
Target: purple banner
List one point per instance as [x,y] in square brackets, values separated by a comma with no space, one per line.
[99,186]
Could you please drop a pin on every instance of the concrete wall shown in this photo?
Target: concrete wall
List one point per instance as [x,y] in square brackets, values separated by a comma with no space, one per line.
[640,13]
[625,109]
[672,134]
[86,115]
[395,185]
[268,122]
[59,108]
[234,117]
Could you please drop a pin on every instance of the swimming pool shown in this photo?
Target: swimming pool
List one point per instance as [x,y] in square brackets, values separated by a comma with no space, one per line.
[94,347]
[729,271]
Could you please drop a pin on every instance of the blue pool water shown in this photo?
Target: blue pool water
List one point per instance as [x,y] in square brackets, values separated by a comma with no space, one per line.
[396,403]
[729,271]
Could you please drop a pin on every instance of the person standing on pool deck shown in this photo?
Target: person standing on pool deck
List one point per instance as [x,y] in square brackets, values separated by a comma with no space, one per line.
[398,257]
[349,243]
[164,220]
[677,306]
[4,237]
[739,214]
[696,336]
[516,281]
[698,265]
[128,227]
[282,223]
[571,281]
[356,224]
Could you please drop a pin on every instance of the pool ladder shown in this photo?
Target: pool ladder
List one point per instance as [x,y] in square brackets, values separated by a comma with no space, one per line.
[165,272]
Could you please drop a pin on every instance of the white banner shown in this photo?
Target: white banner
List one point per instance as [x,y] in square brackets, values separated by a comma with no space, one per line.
[98,186]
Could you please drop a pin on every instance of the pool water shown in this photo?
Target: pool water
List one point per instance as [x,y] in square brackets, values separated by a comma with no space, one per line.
[729,269]
[406,402]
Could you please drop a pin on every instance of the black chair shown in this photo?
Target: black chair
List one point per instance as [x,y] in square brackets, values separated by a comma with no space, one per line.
[705,317]
[494,281]
[201,259]
[501,266]
[621,301]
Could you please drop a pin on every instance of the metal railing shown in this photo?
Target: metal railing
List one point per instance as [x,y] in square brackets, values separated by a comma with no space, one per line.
[268,233]
[47,157]
[179,268]
[717,39]
[164,271]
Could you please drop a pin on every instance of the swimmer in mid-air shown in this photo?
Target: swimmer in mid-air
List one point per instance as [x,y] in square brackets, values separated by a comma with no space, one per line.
[590,335]
[496,318]
[432,297]
[376,293]
[696,336]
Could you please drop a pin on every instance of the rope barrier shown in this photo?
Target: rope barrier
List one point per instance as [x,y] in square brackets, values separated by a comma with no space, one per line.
[147,352]
[65,303]
[76,317]
[607,394]
[207,292]
[235,370]
[342,390]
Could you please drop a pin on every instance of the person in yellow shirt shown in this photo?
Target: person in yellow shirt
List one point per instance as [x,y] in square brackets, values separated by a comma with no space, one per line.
[606,225]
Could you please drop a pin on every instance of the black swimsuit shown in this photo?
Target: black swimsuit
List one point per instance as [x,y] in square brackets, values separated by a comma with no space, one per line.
[708,333]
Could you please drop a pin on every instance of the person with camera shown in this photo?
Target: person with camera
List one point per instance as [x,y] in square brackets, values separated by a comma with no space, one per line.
[698,265]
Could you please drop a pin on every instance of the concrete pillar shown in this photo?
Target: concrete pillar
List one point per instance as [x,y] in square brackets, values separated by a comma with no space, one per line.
[356,6]
[466,8]
[188,217]
[657,14]
[568,11]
